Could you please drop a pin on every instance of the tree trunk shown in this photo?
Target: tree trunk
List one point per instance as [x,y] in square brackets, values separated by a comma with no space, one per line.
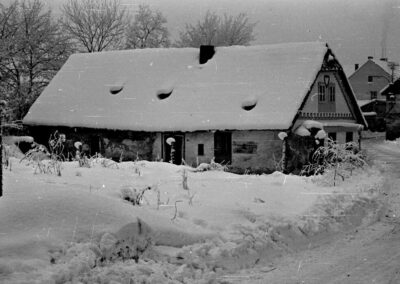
[1,154]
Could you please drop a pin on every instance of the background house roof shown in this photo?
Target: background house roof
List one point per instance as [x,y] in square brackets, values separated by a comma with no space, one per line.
[393,88]
[384,65]
[122,89]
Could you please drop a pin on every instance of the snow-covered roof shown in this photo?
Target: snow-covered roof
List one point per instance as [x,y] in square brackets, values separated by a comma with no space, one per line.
[256,87]
[362,103]
[384,65]
[393,88]
[369,113]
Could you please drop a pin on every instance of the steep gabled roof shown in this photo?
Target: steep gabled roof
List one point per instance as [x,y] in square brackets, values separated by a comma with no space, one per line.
[256,87]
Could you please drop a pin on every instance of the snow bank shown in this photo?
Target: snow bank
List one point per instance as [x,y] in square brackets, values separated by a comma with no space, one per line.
[71,228]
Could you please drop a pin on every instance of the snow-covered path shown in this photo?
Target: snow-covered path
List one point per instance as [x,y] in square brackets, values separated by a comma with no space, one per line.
[366,254]
[384,151]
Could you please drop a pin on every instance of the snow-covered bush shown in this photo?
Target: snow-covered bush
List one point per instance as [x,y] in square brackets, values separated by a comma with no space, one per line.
[130,242]
[212,166]
[133,195]
[340,159]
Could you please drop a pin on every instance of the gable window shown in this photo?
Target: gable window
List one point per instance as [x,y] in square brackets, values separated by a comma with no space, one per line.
[321,93]
[326,97]
[374,95]
[349,137]
[370,79]
[200,149]
[332,92]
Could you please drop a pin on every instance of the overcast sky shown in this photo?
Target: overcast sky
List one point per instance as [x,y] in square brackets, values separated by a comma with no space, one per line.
[354,29]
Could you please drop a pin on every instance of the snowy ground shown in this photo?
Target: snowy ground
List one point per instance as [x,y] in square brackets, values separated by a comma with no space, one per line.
[52,228]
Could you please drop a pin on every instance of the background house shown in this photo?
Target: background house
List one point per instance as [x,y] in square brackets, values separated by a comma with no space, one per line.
[230,103]
[367,82]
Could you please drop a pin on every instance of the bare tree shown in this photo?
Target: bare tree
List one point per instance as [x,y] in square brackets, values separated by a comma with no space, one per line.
[96,25]
[148,29]
[236,30]
[219,31]
[35,50]
[8,33]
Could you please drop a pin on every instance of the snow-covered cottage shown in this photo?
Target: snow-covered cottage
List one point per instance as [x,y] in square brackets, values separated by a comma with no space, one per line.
[232,103]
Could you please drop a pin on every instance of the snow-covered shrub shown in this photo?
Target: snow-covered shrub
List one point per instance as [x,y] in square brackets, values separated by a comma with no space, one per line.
[340,159]
[133,195]
[130,242]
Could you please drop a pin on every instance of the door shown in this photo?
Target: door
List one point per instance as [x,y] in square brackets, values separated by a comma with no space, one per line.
[173,151]
[223,147]
[95,145]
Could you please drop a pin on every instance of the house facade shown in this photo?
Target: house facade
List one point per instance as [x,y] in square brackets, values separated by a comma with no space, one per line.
[368,81]
[392,94]
[370,78]
[241,106]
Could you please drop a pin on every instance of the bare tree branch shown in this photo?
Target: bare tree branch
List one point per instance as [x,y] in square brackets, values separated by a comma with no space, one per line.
[95,25]
[219,31]
[35,49]
[147,30]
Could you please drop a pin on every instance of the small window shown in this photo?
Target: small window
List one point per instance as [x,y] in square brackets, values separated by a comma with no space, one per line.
[374,95]
[321,92]
[370,79]
[332,135]
[200,149]
[349,137]
[332,93]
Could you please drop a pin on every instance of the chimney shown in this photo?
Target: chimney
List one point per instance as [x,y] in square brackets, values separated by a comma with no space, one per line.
[206,53]
[370,57]
[356,66]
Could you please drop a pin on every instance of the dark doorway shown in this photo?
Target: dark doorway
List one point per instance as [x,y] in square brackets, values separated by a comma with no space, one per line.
[177,147]
[95,145]
[223,147]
